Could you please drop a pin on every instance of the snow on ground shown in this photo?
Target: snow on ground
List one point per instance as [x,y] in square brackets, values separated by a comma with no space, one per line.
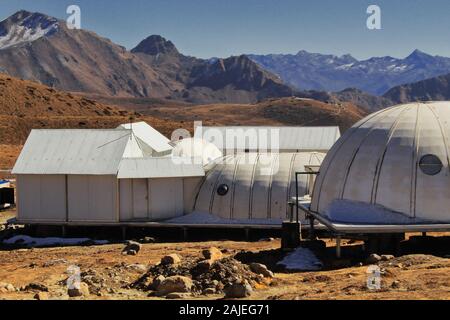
[302,259]
[345,211]
[43,242]
[206,218]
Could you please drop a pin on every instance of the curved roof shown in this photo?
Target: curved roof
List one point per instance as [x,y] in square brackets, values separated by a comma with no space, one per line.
[391,167]
[258,186]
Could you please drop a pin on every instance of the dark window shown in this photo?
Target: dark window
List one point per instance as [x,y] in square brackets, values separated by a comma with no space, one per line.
[222,190]
[430,164]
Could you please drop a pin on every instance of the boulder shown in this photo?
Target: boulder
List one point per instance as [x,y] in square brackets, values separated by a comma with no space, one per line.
[79,291]
[238,290]
[203,266]
[395,284]
[131,252]
[156,282]
[33,286]
[171,259]
[387,257]
[175,284]
[147,240]
[373,259]
[209,291]
[259,268]
[132,248]
[7,287]
[41,296]
[212,254]
[178,295]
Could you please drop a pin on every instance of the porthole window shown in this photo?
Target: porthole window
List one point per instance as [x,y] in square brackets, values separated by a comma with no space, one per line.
[222,190]
[430,164]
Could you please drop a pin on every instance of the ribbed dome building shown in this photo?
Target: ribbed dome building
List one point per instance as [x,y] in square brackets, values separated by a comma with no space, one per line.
[253,186]
[390,168]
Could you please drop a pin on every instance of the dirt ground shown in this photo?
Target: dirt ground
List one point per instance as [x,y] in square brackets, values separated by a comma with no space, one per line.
[412,276]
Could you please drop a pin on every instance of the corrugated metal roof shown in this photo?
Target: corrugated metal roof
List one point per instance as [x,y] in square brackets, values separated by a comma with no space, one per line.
[150,136]
[158,168]
[96,152]
[290,138]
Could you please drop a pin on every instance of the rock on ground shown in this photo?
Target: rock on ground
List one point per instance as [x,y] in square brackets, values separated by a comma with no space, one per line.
[7,287]
[82,290]
[212,254]
[132,248]
[171,259]
[373,259]
[238,290]
[41,296]
[175,284]
[259,268]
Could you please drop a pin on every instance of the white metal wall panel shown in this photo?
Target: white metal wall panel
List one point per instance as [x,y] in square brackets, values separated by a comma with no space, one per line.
[243,185]
[92,198]
[222,204]
[126,199]
[279,186]
[140,199]
[41,198]
[432,198]
[261,187]
[191,187]
[166,198]
[397,165]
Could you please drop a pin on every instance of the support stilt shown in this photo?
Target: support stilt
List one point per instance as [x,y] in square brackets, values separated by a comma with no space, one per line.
[338,246]
[247,234]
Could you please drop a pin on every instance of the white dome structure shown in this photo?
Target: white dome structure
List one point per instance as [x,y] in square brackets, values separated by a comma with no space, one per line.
[390,168]
[196,149]
[254,187]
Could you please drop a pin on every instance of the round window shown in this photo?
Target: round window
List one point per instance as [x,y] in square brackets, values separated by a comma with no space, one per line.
[222,190]
[430,164]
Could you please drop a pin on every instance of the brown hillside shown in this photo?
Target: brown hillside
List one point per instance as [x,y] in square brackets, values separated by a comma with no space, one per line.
[284,111]
[26,105]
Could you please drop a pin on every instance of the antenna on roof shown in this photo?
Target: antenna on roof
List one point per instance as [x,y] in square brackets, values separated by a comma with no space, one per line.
[131,127]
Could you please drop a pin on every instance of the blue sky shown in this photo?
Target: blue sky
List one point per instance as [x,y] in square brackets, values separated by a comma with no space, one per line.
[220,28]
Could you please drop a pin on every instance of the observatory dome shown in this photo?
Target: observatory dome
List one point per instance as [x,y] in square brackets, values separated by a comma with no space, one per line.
[196,149]
[390,168]
[254,187]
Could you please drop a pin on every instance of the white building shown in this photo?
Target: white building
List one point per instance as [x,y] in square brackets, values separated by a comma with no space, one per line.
[112,177]
[85,177]
[389,170]
[260,139]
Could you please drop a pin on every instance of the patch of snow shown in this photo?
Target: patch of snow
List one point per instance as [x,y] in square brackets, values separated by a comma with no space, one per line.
[302,259]
[206,218]
[29,30]
[346,211]
[44,242]
[345,66]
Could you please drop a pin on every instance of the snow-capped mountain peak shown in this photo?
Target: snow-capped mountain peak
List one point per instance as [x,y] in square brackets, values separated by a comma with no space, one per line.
[24,27]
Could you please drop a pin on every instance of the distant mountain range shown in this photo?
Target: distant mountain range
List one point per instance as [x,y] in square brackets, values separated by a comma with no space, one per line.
[37,47]
[34,46]
[313,71]
[433,89]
